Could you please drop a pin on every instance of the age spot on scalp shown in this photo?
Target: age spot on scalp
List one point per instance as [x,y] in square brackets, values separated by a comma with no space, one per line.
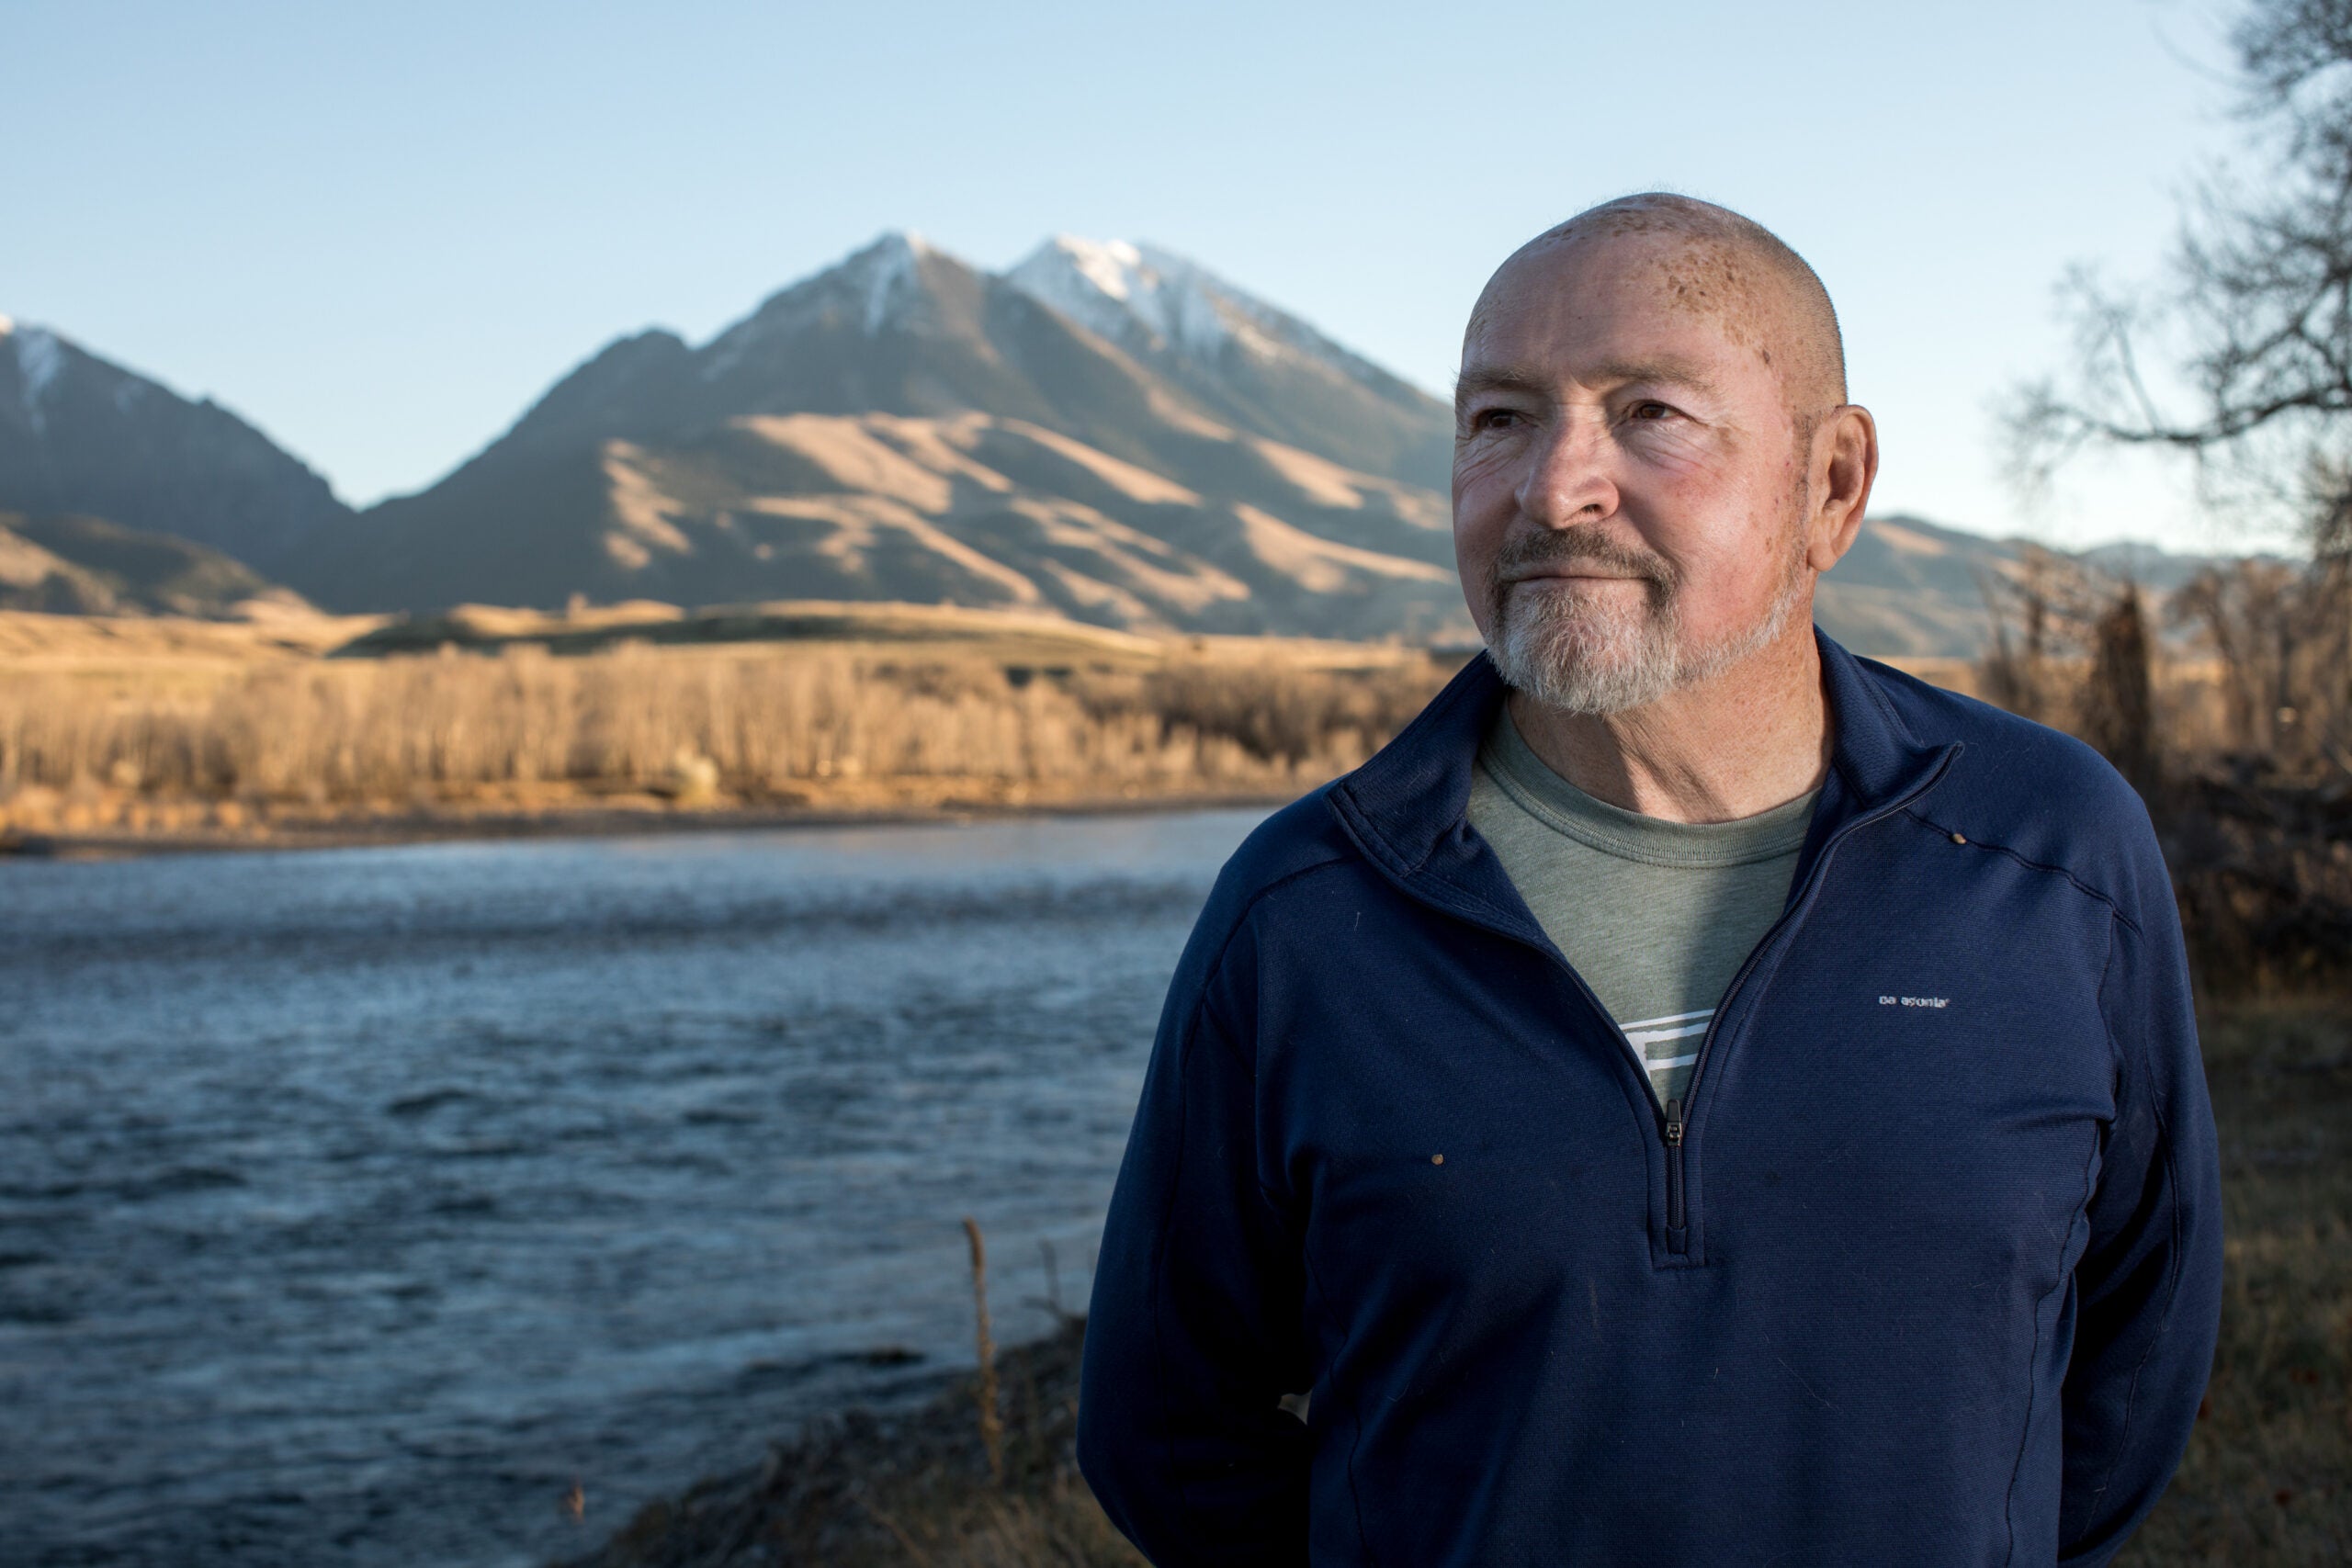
[1706,280]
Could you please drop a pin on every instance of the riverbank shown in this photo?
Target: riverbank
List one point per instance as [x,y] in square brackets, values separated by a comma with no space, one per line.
[861,1490]
[126,826]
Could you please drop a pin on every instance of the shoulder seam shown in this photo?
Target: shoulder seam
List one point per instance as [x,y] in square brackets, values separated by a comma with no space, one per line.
[1241,918]
[2112,905]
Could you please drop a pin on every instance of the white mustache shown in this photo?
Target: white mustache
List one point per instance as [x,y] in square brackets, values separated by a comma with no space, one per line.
[1545,555]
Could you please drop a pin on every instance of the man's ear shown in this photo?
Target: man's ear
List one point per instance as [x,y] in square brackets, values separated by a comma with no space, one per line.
[1844,466]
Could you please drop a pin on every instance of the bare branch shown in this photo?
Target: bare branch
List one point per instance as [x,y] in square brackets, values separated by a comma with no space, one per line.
[2259,319]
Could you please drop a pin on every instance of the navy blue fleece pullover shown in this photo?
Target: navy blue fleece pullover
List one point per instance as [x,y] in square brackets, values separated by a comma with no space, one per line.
[1927,1269]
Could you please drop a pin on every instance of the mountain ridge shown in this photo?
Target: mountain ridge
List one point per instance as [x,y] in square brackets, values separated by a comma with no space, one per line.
[1103,431]
[904,425]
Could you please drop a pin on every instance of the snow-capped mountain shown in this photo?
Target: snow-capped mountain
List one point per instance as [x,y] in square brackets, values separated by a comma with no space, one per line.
[905,426]
[82,435]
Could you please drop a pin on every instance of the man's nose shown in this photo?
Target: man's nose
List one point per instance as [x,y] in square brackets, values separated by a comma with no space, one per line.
[1567,478]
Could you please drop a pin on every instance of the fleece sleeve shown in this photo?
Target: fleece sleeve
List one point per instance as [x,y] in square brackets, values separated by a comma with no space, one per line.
[2149,1285]
[1194,1334]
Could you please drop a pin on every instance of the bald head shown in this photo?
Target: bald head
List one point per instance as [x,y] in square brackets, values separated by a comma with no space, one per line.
[1707,260]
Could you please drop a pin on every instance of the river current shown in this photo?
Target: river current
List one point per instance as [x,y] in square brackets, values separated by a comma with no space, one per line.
[355,1204]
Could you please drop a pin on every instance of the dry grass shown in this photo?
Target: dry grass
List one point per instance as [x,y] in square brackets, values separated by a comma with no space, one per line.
[138,747]
[2267,1478]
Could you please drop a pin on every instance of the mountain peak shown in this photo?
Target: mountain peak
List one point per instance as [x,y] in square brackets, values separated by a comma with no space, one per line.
[1137,296]
[889,249]
[885,283]
[1171,312]
[892,268]
[1109,265]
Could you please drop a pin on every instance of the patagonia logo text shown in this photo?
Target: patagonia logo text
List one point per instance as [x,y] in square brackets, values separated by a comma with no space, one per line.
[1914,1001]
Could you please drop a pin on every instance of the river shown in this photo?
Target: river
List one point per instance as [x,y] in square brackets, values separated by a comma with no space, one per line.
[355,1204]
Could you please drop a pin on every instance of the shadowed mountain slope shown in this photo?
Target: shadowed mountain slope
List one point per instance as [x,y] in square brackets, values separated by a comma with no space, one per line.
[81,436]
[85,566]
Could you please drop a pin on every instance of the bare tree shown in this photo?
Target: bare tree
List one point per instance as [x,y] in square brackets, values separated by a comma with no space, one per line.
[2258,323]
[2041,609]
[2118,697]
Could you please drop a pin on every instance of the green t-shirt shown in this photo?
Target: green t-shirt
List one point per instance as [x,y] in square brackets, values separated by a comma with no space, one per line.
[1656,916]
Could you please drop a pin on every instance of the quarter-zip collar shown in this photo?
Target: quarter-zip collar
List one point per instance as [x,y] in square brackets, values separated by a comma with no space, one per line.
[1407,808]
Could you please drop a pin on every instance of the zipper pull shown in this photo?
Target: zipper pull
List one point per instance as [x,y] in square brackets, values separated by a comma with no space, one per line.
[1673,1123]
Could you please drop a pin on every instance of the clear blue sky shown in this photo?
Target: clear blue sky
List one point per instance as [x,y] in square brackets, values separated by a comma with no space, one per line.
[381,231]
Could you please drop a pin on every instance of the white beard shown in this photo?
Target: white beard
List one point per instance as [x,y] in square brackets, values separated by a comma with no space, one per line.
[1582,649]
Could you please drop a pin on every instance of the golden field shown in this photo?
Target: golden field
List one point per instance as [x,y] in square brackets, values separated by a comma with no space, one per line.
[148,730]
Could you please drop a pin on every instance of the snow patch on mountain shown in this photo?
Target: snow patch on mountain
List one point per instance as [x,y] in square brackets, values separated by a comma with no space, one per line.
[890,274]
[1109,265]
[878,286]
[1137,296]
[41,358]
[1151,301]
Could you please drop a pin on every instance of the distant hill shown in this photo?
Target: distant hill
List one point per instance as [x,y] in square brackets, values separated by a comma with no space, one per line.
[85,566]
[81,436]
[1913,588]
[1910,587]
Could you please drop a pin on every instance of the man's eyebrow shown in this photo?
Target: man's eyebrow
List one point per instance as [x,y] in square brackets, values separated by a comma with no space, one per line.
[1471,383]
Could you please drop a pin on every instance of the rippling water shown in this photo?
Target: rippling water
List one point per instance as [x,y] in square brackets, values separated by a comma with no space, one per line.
[354,1204]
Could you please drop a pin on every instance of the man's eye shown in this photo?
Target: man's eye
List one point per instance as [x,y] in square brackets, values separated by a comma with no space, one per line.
[1492,419]
[1650,409]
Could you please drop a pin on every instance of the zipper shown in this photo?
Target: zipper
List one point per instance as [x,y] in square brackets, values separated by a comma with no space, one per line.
[1676,1219]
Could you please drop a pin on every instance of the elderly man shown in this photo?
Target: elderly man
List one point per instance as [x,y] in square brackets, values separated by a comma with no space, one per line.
[1696,1096]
